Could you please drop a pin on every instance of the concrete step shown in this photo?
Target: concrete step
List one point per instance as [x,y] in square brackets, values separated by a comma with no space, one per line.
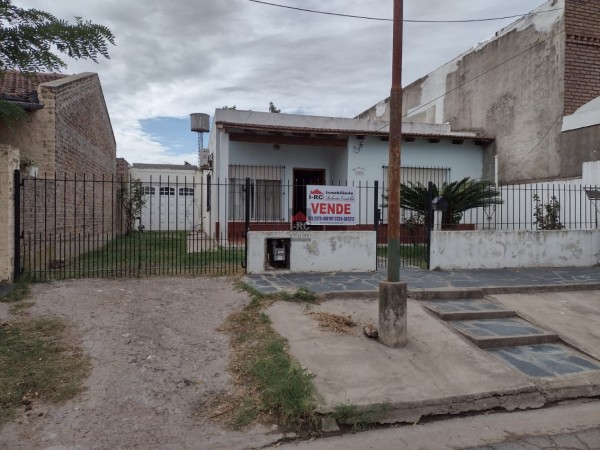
[546,360]
[505,332]
[467,309]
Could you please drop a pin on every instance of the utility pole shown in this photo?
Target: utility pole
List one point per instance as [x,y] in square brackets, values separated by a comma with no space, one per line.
[393,294]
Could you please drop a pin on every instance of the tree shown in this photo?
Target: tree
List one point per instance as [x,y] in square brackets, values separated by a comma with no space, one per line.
[29,39]
[132,200]
[460,195]
[273,109]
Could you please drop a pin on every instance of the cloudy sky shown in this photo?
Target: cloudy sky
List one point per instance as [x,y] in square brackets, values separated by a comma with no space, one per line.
[178,57]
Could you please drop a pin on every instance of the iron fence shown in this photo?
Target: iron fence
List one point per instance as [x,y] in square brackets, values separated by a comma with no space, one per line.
[541,206]
[112,227]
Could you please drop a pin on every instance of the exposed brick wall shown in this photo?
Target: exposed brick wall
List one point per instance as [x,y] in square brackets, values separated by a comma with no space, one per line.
[85,142]
[582,54]
[34,137]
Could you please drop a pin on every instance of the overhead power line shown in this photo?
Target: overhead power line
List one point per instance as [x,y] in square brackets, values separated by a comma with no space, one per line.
[383,19]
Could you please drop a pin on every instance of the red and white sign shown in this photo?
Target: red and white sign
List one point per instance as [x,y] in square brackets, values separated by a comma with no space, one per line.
[331,205]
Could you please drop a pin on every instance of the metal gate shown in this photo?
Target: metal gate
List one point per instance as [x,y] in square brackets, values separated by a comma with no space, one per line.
[81,227]
[415,236]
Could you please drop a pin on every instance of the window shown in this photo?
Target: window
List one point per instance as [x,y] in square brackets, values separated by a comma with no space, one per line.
[186,191]
[149,190]
[423,175]
[167,191]
[415,175]
[266,193]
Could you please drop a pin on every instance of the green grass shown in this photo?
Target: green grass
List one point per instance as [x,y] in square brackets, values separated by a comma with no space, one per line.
[413,255]
[37,363]
[149,253]
[20,291]
[360,419]
[273,382]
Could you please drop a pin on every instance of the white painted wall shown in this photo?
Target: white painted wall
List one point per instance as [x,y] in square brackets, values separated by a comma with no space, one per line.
[170,212]
[498,249]
[317,251]
[464,160]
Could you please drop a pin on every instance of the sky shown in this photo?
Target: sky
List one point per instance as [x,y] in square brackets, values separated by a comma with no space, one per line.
[173,58]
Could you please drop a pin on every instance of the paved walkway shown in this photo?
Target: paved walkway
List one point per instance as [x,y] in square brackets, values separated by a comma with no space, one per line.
[423,279]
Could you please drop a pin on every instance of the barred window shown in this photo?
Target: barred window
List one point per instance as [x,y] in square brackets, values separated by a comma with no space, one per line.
[167,191]
[266,192]
[149,190]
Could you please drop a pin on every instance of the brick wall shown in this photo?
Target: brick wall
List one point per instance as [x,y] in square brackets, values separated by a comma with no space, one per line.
[85,142]
[582,53]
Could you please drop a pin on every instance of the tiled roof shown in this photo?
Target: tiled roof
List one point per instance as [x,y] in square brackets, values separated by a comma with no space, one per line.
[17,86]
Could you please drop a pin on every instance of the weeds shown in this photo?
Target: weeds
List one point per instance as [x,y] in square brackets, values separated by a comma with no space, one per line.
[358,418]
[270,381]
[36,363]
[302,294]
[21,291]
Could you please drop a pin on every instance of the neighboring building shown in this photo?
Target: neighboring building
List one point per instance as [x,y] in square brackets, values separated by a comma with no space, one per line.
[172,194]
[73,205]
[534,87]
[67,130]
[282,153]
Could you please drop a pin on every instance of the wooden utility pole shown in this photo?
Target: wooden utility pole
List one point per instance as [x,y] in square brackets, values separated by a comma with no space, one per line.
[395,148]
[393,293]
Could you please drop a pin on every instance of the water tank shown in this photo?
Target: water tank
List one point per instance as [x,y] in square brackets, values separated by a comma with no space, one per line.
[200,122]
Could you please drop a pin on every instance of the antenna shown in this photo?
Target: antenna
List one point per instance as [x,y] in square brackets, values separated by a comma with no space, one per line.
[200,123]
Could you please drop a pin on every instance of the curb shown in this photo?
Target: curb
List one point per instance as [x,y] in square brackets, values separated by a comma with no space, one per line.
[452,293]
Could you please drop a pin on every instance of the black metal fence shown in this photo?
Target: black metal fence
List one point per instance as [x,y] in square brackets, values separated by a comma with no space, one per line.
[107,227]
[541,206]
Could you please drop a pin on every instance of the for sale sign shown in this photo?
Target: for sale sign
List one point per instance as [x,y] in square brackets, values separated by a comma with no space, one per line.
[331,205]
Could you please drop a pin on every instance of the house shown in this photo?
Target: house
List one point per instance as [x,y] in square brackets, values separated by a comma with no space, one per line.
[281,154]
[67,130]
[534,86]
[172,196]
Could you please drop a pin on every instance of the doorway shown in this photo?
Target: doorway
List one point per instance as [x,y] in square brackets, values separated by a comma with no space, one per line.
[302,178]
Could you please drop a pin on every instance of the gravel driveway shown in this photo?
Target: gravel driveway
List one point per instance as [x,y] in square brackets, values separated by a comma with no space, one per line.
[156,358]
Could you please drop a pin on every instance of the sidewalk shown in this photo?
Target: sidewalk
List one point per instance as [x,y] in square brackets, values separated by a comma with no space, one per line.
[440,371]
[322,283]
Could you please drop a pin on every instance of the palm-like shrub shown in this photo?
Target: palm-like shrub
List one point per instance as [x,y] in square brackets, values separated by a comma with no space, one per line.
[460,196]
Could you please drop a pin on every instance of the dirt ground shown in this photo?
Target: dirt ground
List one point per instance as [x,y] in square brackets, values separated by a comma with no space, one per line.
[156,359]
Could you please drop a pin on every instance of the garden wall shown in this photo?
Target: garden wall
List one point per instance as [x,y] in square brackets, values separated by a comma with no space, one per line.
[316,251]
[521,248]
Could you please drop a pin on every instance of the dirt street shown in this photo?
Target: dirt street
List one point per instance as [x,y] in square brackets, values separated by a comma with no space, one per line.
[156,358]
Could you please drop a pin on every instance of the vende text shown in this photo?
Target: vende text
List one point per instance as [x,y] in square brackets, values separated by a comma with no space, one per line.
[330,208]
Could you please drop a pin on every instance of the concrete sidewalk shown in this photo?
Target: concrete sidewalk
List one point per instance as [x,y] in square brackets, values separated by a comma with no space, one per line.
[440,372]
[417,279]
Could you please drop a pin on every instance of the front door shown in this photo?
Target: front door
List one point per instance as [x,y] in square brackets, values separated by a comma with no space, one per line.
[302,178]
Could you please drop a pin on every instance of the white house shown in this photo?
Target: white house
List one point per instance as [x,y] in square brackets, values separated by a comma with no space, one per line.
[172,194]
[282,153]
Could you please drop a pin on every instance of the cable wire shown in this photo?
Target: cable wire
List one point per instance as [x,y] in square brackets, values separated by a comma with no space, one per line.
[383,19]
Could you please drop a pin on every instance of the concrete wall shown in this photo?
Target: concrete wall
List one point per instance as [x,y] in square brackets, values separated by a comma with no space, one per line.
[317,251]
[9,161]
[498,249]
[512,88]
